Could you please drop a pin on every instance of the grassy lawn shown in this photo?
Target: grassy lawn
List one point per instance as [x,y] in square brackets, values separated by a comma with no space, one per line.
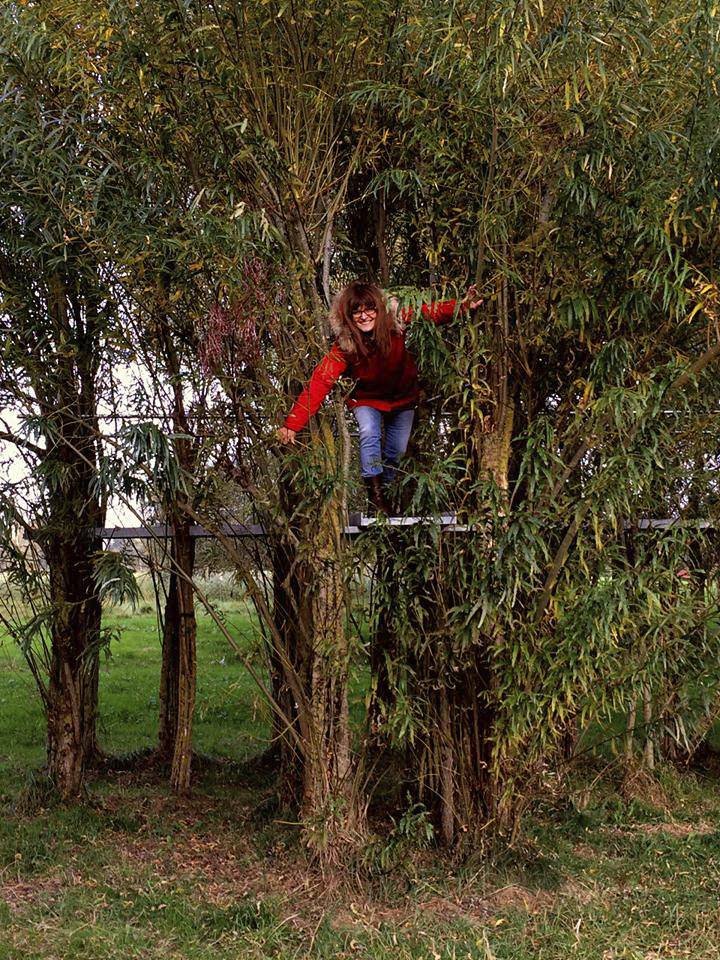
[231,718]
[136,873]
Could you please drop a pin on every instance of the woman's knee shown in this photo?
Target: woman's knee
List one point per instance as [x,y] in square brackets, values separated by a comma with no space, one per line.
[369,427]
[368,432]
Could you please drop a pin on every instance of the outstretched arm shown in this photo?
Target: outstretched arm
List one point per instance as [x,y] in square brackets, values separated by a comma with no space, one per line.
[440,311]
[324,377]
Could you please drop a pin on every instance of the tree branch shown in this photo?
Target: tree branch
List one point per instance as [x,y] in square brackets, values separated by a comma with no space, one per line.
[21,442]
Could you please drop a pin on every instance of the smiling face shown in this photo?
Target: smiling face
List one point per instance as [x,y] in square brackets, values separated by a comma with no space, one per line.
[361,321]
[364,317]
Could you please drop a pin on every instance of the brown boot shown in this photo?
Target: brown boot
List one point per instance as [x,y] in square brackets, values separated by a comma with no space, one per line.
[376,496]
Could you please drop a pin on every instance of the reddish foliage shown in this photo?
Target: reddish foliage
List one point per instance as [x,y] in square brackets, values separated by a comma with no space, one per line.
[230,335]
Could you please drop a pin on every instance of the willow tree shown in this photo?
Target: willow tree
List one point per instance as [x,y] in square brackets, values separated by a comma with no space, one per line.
[275,81]
[575,152]
[56,314]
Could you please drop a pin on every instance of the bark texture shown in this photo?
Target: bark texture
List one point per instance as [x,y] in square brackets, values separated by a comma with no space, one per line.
[178,677]
[65,387]
[309,665]
[69,546]
[169,672]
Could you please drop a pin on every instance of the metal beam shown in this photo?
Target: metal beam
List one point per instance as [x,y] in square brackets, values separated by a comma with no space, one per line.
[358,523]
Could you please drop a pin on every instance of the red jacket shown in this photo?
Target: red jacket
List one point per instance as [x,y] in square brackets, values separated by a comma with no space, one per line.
[386,383]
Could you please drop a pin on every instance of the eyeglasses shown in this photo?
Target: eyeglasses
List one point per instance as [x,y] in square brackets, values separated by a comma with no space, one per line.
[369,311]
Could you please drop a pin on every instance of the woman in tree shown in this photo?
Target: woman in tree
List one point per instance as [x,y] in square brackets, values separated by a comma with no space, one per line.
[370,347]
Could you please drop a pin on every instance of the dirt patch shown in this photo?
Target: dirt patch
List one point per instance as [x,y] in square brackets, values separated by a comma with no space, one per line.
[215,861]
[182,812]
[472,909]
[371,914]
[21,893]
[225,872]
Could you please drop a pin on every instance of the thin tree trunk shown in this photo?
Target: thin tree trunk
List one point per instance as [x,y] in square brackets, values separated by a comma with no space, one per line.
[447,773]
[91,747]
[630,730]
[169,673]
[649,751]
[284,662]
[381,696]
[381,243]
[178,682]
[185,689]
[93,612]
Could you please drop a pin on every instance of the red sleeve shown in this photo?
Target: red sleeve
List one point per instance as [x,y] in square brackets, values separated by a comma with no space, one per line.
[441,311]
[324,377]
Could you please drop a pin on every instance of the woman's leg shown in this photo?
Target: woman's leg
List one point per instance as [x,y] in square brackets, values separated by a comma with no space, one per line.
[398,427]
[369,422]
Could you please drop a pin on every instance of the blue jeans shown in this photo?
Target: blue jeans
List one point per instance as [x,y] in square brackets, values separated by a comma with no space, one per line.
[376,459]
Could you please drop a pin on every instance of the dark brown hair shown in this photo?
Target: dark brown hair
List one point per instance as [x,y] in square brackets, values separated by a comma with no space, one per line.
[350,339]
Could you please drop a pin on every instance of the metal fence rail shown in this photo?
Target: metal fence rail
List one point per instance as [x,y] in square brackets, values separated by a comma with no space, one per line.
[358,523]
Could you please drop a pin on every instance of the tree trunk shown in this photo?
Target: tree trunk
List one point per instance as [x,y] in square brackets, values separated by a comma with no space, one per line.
[178,684]
[91,747]
[284,663]
[65,756]
[309,666]
[630,730]
[449,755]
[63,376]
[458,763]
[447,771]
[179,661]
[178,669]
[381,242]
[326,767]
[169,672]
[382,647]
[71,709]
[454,757]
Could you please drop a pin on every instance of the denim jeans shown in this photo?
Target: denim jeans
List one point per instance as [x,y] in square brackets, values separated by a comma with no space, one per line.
[375,458]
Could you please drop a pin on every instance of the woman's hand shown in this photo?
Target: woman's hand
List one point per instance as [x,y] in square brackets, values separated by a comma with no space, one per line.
[285,435]
[472,298]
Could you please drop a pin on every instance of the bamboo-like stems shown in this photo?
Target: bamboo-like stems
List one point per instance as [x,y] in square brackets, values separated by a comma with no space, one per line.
[630,729]
[649,748]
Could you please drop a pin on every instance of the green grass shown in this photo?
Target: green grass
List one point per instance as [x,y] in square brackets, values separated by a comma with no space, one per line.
[231,718]
[136,873]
